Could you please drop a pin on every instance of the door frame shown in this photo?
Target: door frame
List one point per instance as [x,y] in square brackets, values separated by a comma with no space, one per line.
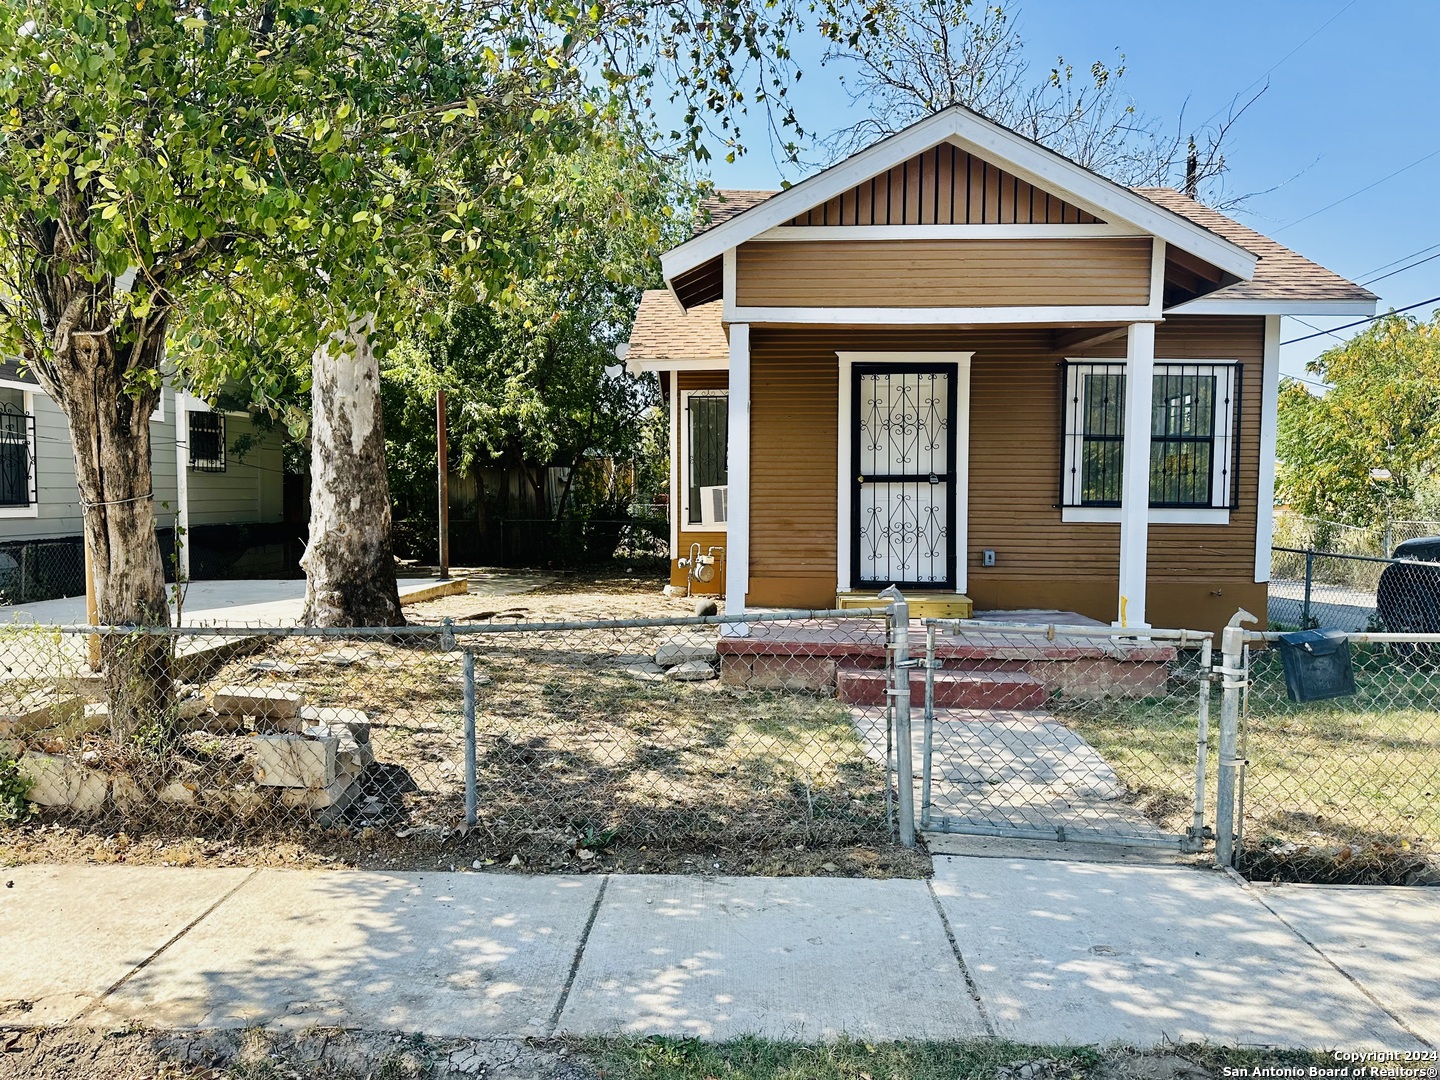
[845,441]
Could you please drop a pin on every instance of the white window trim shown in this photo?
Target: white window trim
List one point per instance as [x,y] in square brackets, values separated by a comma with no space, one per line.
[28,404]
[1221,483]
[158,416]
[684,471]
[845,439]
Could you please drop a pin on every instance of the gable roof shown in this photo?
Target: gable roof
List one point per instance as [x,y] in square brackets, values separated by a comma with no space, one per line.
[1280,273]
[1027,160]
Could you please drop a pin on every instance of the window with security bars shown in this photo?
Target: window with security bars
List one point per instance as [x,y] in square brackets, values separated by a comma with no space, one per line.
[207,442]
[1194,411]
[17,451]
[707,434]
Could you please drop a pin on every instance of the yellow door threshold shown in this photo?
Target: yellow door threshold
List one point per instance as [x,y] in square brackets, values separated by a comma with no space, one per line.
[923,605]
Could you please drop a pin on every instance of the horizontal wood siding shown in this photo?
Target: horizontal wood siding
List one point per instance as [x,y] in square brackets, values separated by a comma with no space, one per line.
[1196,571]
[694,380]
[944,273]
[945,186]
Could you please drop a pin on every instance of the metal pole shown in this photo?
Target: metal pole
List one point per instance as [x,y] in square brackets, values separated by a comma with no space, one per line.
[904,750]
[92,606]
[1202,743]
[929,749]
[471,797]
[1232,671]
[442,467]
[1309,579]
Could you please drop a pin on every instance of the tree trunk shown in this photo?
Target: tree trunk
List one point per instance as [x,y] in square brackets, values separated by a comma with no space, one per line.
[110,438]
[350,562]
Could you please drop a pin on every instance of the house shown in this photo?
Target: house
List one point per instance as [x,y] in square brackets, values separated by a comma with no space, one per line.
[959,362]
[230,472]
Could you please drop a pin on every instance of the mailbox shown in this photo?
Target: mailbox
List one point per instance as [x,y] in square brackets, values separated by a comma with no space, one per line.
[1317,664]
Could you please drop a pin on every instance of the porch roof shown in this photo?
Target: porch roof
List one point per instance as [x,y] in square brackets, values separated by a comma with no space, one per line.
[664,331]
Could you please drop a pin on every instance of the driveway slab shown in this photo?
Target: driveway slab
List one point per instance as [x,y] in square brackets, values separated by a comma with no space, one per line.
[1088,952]
[448,954]
[72,932]
[785,957]
[1382,937]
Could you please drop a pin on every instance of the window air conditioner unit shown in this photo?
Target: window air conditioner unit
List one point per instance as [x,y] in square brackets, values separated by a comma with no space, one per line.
[714,505]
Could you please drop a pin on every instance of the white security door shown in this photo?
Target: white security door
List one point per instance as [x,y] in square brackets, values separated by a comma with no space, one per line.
[904,488]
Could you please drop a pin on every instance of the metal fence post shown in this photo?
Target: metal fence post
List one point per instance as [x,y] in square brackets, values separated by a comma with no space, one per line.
[904,763]
[1202,744]
[1233,674]
[1309,582]
[472,803]
[929,742]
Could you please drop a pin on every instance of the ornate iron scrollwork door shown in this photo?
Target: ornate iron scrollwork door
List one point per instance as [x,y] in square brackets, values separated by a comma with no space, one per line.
[903,501]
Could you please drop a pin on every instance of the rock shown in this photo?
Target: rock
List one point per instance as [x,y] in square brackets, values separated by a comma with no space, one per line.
[259,701]
[126,792]
[178,793]
[58,781]
[294,761]
[39,711]
[683,648]
[691,671]
[645,672]
[191,708]
[706,606]
[277,667]
[674,592]
[244,801]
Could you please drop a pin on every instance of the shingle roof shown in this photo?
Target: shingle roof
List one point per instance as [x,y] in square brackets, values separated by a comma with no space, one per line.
[663,332]
[1281,274]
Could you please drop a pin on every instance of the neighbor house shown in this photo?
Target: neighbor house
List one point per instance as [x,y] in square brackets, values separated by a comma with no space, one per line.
[233,473]
[959,362]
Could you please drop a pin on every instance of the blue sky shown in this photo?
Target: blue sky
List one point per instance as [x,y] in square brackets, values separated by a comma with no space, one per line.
[1351,105]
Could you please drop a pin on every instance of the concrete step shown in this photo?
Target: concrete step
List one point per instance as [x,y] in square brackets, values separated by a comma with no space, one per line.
[953,689]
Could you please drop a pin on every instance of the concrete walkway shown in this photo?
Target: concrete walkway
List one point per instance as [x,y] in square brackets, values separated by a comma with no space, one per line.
[1027,949]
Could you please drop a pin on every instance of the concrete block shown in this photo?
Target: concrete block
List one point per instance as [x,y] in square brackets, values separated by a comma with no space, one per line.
[350,750]
[683,648]
[812,673]
[39,711]
[691,671]
[56,780]
[335,796]
[191,708]
[294,761]
[355,721]
[260,701]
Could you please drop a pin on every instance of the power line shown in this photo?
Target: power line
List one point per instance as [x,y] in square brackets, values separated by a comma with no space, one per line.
[1362,322]
[1402,258]
[1367,187]
[1411,266]
[1267,72]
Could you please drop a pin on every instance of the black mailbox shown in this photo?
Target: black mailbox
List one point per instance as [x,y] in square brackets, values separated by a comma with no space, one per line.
[1317,664]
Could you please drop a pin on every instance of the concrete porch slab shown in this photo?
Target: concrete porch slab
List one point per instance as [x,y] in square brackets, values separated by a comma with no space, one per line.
[1379,936]
[72,932]
[447,954]
[798,958]
[1088,952]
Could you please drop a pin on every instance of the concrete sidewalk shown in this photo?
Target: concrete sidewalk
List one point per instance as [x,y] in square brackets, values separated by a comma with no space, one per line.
[1027,949]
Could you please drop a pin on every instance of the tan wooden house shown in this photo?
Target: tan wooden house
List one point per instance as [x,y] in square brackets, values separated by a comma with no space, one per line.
[960,363]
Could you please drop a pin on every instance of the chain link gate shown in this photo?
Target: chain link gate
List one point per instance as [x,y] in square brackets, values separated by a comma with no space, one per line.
[1054,732]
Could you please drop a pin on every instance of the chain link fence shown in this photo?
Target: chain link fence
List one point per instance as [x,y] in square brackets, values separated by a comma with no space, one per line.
[1346,789]
[1065,732]
[1311,588]
[717,743]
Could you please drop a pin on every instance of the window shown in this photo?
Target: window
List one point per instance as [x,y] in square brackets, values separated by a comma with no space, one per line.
[17,451]
[1193,414]
[207,441]
[706,454]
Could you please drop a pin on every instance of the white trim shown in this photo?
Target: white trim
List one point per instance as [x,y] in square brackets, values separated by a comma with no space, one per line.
[684,470]
[640,367]
[1157,275]
[945,232]
[1220,305]
[24,387]
[182,477]
[973,133]
[27,402]
[737,553]
[1110,515]
[949,316]
[844,440]
[158,416]
[674,448]
[1135,475]
[727,286]
[1269,430]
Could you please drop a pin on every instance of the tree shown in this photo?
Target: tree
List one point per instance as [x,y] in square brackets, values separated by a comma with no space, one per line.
[931,54]
[1381,411]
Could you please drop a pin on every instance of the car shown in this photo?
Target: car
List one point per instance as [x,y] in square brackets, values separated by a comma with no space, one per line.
[1408,598]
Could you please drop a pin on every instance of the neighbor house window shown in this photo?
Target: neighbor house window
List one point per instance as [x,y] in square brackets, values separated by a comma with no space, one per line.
[207,441]
[17,451]
[1193,415]
[706,454]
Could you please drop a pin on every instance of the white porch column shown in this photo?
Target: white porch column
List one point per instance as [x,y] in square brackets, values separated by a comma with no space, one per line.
[1135,481]
[737,539]
[182,479]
